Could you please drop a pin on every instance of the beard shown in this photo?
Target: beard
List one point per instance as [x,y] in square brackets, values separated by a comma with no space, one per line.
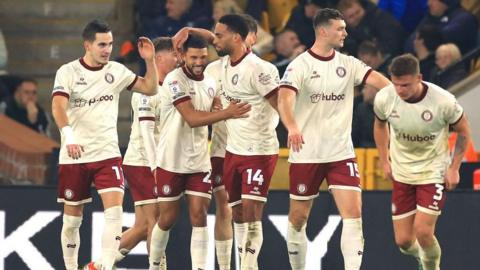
[223,52]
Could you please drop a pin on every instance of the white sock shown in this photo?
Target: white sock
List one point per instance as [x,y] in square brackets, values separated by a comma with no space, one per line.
[199,248]
[70,238]
[224,253]
[121,254]
[253,240]
[297,246]
[431,256]
[112,234]
[413,250]
[352,243]
[158,244]
[239,232]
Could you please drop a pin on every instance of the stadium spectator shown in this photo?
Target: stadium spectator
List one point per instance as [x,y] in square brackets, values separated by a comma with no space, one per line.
[444,75]
[287,47]
[457,25]
[23,107]
[427,40]
[365,21]
[363,118]
[4,91]
[370,54]
[408,12]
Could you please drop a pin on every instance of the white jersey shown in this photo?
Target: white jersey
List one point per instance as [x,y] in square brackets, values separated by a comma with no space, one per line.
[182,149]
[219,129]
[418,132]
[324,104]
[144,108]
[250,80]
[92,110]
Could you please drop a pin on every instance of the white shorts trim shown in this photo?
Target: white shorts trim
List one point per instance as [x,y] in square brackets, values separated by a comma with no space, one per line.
[344,188]
[255,198]
[169,199]
[199,194]
[117,189]
[404,215]
[218,188]
[60,200]
[429,211]
[235,203]
[303,198]
[144,202]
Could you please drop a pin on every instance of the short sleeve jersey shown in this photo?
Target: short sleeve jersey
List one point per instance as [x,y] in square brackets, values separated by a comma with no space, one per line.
[219,129]
[251,80]
[93,94]
[324,104]
[418,132]
[182,149]
[144,108]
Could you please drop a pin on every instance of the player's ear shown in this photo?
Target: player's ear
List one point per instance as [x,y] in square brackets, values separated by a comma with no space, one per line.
[87,44]
[420,77]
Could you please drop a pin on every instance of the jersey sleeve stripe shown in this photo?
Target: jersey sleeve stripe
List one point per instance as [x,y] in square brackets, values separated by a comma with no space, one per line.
[130,86]
[146,118]
[366,76]
[458,120]
[271,93]
[59,93]
[289,87]
[380,119]
[180,100]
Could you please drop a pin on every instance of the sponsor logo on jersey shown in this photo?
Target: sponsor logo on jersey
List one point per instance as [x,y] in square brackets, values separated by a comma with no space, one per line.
[191,92]
[301,188]
[315,75]
[144,100]
[394,114]
[235,79]
[109,78]
[264,79]
[315,98]
[81,82]
[416,137]
[229,98]
[68,194]
[341,72]
[427,116]
[59,88]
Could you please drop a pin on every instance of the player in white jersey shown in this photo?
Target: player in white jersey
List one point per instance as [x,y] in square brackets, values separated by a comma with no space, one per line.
[316,106]
[85,108]
[184,164]
[411,130]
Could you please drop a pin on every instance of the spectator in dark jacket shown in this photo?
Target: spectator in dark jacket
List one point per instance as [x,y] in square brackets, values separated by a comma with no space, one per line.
[287,48]
[365,21]
[370,54]
[445,74]
[427,40]
[457,25]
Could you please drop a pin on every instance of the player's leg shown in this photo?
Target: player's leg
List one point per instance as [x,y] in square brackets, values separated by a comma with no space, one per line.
[344,184]
[305,180]
[70,235]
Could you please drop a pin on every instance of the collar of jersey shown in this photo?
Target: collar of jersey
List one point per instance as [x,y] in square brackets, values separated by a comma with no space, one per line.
[421,97]
[85,65]
[321,58]
[232,63]
[190,75]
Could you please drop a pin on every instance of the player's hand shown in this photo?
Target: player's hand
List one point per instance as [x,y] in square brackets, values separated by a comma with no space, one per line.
[217,104]
[387,170]
[238,109]
[180,37]
[295,139]
[452,178]
[146,48]
[75,151]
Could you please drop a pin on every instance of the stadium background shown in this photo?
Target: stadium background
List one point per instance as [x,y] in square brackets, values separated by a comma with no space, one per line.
[41,35]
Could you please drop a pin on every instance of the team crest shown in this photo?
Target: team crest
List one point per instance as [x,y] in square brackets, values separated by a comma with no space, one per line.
[211,92]
[109,78]
[301,188]
[166,189]
[235,79]
[218,179]
[68,193]
[427,116]
[341,72]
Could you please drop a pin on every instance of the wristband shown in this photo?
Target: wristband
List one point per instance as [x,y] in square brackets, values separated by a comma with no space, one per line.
[67,132]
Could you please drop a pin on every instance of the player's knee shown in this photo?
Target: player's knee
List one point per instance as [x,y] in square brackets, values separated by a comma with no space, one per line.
[403,242]
[298,219]
[423,233]
[198,218]
[237,214]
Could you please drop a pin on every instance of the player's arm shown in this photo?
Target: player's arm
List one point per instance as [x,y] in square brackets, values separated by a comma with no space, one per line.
[196,118]
[59,112]
[286,104]
[273,99]
[377,80]
[147,85]
[381,135]
[462,128]
[182,35]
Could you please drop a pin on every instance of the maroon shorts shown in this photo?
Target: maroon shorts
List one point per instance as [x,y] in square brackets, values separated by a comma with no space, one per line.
[171,185]
[141,183]
[216,177]
[306,178]
[407,199]
[75,180]
[248,177]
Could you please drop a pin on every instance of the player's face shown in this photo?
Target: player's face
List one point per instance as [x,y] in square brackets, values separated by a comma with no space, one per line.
[408,87]
[101,48]
[336,33]
[223,39]
[196,60]
[166,60]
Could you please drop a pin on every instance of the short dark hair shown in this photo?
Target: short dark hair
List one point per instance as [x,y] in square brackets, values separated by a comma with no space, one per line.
[24,80]
[162,44]
[324,15]
[251,23]
[235,23]
[405,64]
[94,27]
[369,48]
[194,41]
[431,35]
